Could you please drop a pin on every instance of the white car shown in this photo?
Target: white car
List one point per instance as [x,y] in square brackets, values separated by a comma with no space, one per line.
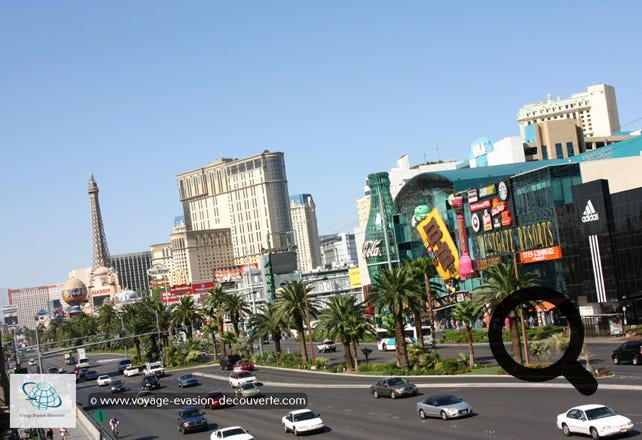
[83,363]
[130,370]
[103,380]
[595,420]
[302,420]
[238,378]
[231,433]
[32,362]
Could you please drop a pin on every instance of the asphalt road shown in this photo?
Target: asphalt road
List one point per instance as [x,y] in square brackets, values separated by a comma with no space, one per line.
[505,408]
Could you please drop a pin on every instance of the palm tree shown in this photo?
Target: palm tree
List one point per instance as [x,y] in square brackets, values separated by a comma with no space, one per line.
[359,327]
[236,308]
[291,307]
[212,328]
[336,321]
[468,312]
[213,306]
[266,323]
[501,281]
[395,289]
[425,269]
[107,318]
[160,314]
[136,324]
[185,313]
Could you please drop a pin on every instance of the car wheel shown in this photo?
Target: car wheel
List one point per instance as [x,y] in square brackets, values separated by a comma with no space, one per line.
[422,414]
[295,432]
[383,347]
[616,360]
[565,429]
[375,394]
[393,395]
[444,416]
[635,361]
[594,434]
[285,428]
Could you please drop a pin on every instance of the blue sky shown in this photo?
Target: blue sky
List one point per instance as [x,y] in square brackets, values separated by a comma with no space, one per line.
[140,91]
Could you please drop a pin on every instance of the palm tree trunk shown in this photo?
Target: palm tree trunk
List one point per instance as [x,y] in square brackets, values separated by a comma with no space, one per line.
[221,330]
[302,344]
[431,311]
[400,343]
[276,336]
[420,338]
[514,337]
[214,343]
[356,355]
[347,353]
[471,348]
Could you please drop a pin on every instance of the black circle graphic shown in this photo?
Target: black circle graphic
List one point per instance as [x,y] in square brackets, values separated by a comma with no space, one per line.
[567,365]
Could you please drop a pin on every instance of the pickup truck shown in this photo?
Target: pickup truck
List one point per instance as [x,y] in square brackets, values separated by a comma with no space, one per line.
[326,346]
[155,368]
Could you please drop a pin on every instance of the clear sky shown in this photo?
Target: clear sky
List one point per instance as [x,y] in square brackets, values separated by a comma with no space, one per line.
[140,91]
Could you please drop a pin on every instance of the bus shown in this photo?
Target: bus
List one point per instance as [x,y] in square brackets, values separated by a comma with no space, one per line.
[386,339]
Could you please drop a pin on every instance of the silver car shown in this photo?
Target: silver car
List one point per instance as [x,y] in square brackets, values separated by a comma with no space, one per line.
[445,406]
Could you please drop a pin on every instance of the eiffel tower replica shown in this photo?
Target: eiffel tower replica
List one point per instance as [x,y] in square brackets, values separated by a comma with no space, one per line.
[103,283]
[100,250]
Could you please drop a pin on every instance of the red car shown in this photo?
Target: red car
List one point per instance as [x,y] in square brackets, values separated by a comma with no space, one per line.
[244,364]
[216,399]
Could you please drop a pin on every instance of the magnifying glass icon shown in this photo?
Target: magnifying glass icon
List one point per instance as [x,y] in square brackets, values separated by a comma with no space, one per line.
[568,365]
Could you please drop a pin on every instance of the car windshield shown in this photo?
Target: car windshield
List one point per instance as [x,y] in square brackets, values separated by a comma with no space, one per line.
[248,386]
[245,374]
[192,412]
[233,431]
[447,400]
[187,376]
[304,416]
[397,381]
[115,383]
[598,413]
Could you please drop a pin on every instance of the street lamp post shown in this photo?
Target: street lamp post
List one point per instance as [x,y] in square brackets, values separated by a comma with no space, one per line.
[527,357]
[38,345]
[313,355]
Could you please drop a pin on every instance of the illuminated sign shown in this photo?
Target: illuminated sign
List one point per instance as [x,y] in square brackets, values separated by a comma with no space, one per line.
[371,248]
[472,195]
[537,255]
[438,241]
[478,206]
[487,191]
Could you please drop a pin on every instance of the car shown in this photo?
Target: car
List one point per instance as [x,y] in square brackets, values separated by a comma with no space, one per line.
[130,370]
[302,420]
[231,433]
[150,382]
[116,386]
[83,363]
[32,362]
[445,406]
[61,371]
[187,380]
[155,368]
[227,362]
[595,420]
[103,380]
[326,346]
[123,363]
[249,389]
[52,370]
[191,419]
[238,378]
[629,351]
[216,399]
[70,360]
[91,375]
[393,387]
[243,364]
[81,372]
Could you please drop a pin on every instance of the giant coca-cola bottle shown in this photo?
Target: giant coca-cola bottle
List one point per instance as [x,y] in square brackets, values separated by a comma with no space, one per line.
[380,247]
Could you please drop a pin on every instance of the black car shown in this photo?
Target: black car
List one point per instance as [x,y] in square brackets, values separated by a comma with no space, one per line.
[629,351]
[228,361]
[150,382]
[191,419]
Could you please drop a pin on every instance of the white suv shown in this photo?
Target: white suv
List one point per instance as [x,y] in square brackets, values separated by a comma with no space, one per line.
[103,380]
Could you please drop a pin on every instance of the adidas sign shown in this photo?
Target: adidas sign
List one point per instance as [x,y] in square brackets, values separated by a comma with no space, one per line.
[590,214]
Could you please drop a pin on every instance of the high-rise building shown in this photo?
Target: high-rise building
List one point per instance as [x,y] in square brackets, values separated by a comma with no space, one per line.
[249,196]
[132,270]
[339,251]
[306,232]
[595,111]
[32,304]
[196,254]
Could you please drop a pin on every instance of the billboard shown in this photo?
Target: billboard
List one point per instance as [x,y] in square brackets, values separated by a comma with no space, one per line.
[439,243]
